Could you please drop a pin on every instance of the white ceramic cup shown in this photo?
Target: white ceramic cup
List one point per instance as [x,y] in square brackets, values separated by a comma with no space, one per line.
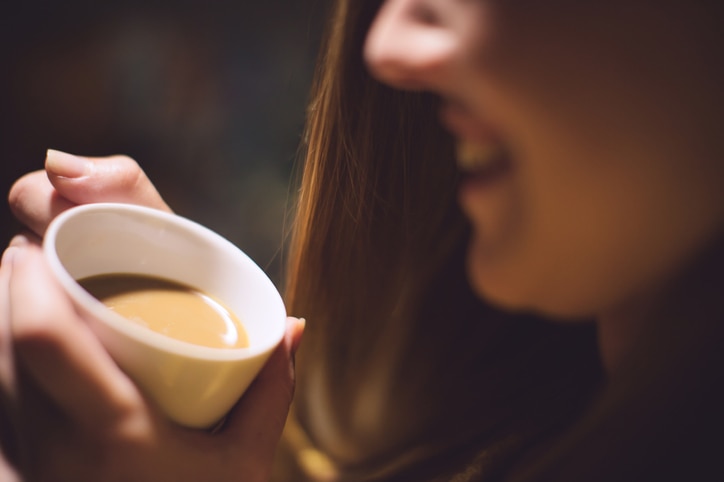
[194,385]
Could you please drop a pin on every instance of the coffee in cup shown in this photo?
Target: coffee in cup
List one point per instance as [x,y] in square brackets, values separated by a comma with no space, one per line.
[168,307]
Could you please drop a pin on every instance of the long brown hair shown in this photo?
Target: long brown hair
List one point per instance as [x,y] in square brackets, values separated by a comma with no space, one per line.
[403,371]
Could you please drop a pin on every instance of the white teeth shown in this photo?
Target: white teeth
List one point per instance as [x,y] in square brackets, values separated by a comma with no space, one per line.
[473,156]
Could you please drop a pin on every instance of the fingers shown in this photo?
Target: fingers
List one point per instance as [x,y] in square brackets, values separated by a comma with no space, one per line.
[60,352]
[7,372]
[8,392]
[38,197]
[257,421]
[13,400]
[35,202]
[84,180]
[7,471]
[7,368]
[295,330]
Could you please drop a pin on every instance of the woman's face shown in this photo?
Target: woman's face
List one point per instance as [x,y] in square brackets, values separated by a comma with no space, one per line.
[587,132]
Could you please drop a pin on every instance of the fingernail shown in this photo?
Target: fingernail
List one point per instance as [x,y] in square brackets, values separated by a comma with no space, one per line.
[302,322]
[63,164]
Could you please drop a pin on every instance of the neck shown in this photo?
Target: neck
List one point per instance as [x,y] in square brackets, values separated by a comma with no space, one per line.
[693,295]
[618,331]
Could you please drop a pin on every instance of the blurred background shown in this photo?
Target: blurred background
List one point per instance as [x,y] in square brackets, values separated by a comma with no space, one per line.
[209,97]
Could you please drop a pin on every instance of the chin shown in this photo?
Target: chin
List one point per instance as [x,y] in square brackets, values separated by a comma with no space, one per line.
[521,297]
[496,292]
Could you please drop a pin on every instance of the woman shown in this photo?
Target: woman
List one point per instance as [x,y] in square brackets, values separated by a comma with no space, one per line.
[604,179]
[590,172]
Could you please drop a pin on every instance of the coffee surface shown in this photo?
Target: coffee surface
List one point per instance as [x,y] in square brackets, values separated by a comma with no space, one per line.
[170,308]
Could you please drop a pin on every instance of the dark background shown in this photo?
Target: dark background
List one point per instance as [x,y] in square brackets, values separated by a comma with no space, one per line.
[209,97]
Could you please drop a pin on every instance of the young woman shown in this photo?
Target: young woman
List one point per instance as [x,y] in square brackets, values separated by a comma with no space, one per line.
[590,169]
[567,326]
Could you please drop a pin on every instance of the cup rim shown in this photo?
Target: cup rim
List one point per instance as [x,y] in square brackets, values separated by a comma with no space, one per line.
[139,333]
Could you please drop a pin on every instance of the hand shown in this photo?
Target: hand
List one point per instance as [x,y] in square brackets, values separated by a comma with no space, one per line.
[80,418]
[68,180]
[67,411]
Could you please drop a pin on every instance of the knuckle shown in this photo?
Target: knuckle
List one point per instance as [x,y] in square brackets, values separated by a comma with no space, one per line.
[29,198]
[36,325]
[126,162]
[33,328]
[130,427]
[127,172]
[18,194]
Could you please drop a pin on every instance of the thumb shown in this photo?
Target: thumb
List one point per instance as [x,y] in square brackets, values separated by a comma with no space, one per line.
[83,180]
[256,422]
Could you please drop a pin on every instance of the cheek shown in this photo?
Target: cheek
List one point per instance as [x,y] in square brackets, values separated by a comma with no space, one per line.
[586,239]
[615,191]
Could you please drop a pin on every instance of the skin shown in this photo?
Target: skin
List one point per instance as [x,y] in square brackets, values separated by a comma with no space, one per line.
[73,414]
[609,110]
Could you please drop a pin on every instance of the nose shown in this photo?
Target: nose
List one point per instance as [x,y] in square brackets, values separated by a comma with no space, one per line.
[409,46]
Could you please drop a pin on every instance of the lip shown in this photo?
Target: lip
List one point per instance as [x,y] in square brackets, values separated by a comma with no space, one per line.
[461,122]
[469,130]
[494,176]
[485,197]
[477,188]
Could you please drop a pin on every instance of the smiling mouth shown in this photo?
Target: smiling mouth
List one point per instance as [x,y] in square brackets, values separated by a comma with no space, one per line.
[485,160]
[481,153]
